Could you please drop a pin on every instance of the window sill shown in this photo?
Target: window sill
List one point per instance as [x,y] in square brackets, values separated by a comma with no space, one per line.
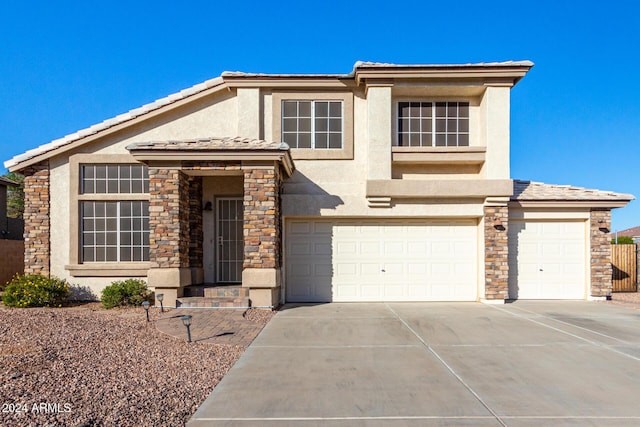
[439,155]
[120,269]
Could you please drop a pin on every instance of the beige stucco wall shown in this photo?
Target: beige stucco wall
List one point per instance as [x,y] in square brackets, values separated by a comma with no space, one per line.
[318,187]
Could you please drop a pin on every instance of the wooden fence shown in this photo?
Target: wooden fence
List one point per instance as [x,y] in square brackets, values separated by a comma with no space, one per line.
[624,262]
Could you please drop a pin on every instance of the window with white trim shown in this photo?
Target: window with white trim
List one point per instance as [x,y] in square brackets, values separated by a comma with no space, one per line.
[433,124]
[315,124]
[112,228]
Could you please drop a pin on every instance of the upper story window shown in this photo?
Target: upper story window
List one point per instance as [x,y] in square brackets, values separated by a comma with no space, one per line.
[313,124]
[114,179]
[433,124]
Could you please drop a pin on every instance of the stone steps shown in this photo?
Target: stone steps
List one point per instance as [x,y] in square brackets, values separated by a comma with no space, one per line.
[203,296]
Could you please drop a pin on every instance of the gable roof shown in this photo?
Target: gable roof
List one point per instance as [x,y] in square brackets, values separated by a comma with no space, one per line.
[529,191]
[7,182]
[226,80]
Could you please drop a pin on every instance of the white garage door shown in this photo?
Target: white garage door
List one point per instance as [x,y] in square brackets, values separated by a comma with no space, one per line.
[547,259]
[380,260]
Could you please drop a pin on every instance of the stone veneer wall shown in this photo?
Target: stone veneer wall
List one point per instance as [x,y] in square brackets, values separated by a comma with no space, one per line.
[496,253]
[168,218]
[195,222]
[262,218]
[37,243]
[601,270]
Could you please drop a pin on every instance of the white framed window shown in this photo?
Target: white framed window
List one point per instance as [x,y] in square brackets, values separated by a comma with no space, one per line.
[114,231]
[433,124]
[114,221]
[313,124]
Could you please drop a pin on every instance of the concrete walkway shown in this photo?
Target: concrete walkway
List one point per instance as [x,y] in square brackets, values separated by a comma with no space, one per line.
[436,364]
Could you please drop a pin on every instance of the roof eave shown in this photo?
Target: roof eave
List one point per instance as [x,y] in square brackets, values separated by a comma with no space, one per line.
[603,204]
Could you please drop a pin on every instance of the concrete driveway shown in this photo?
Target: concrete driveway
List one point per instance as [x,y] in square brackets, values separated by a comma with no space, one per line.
[436,364]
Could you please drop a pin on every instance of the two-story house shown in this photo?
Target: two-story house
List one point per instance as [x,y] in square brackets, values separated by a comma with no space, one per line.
[390,183]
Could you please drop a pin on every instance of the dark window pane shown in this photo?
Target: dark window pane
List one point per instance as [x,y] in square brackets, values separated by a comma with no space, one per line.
[99,208]
[441,109]
[112,171]
[125,209]
[112,239]
[304,109]
[322,109]
[101,171]
[404,140]
[304,125]
[112,186]
[87,239]
[426,109]
[452,125]
[145,238]
[137,255]
[125,171]
[463,109]
[463,125]
[101,186]
[452,140]
[304,140]
[87,209]
[322,140]
[112,254]
[125,239]
[441,125]
[463,140]
[415,125]
[335,140]
[136,186]
[335,125]
[88,171]
[289,108]
[87,225]
[112,224]
[100,239]
[137,239]
[415,140]
[322,125]
[403,109]
[145,187]
[112,209]
[404,125]
[414,110]
[87,255]
[452,109]
[137,208]
[426,139]
[99,224]
[125,254]
[125,186]
[335,109]
[290,125]
[441,140]
[291,139]
[125,224]
[88,187]
[136,171]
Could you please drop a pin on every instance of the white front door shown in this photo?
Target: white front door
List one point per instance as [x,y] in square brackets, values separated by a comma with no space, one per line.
[229,239]
[547,259]
[381,260]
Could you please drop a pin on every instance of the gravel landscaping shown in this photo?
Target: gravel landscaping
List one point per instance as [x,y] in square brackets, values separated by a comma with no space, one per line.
[87,366]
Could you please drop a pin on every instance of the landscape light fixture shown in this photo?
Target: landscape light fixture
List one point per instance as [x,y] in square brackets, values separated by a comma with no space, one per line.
[186,321]
[160,297]
[145,305]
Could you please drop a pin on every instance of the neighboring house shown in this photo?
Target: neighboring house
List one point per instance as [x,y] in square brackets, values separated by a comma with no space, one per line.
[390,183]
[633,232]
[11,245]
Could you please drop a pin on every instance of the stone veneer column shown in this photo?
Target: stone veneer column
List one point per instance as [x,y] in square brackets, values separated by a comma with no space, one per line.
[195,229]
[496,253]
[601,270]
[169,232]
[37,244]
[262,233]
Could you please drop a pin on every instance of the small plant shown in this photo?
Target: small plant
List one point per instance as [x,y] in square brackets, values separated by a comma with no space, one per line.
[123,293]
[623,240]
[35,290]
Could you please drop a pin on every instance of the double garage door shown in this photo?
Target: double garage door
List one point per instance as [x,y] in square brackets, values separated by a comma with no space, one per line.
[381,260]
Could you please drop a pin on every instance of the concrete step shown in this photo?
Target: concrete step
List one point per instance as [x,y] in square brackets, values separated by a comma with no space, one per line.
[213,302]
[213,291]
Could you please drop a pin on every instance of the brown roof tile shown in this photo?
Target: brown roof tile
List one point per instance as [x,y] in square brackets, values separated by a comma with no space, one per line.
[538,191]
[211,143]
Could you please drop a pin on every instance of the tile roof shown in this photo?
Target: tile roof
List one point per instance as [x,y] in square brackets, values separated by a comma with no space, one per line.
[212,143]
[106,124]
[538,191]
[631,232]
[7,181]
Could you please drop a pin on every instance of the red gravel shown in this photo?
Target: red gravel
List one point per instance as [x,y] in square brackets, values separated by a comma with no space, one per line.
[86,366]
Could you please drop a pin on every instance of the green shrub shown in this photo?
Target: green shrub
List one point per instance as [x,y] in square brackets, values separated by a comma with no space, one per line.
[623,240]
[35,290]
[123,293]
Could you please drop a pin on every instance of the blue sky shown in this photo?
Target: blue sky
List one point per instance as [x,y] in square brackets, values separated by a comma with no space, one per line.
[575,117]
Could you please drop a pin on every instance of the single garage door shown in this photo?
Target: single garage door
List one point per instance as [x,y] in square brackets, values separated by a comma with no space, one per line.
[547,259]
[380,260]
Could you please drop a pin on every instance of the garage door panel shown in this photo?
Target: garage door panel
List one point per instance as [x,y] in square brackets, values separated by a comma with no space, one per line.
[547,259]
[374,260]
